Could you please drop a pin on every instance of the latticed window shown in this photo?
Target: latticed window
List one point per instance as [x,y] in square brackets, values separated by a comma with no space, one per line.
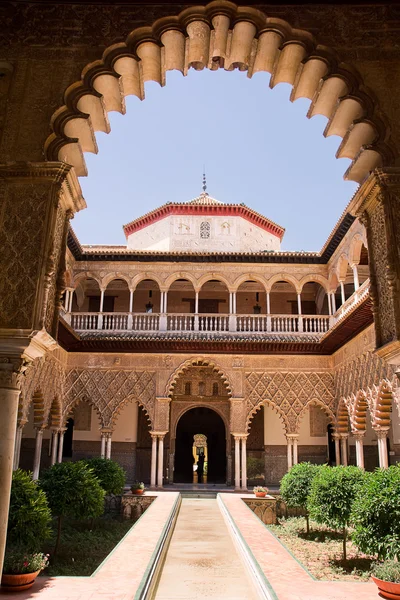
[188,389]
[205,229]
[202,388]
[215,389]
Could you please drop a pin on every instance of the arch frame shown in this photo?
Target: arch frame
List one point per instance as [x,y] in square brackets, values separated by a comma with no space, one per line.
[196,362]
[315,402]
[277,409]
[191,405]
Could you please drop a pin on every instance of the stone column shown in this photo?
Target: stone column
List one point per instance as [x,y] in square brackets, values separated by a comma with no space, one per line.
[160,470]
[244,463]
[328,295]
[61,445]
[336,438]
[108,445]
[38,453]
[343,295]
[103,446]
[289,452]
[229,469]
[343,445]
[100,317]
[9,396]
[355,276]
[17,448]
[130,320]
[299,304]
[54,446]
[377,204]
[237,462]
[153,460]
[359,438]
[295,438]
[333,299]
[382,434]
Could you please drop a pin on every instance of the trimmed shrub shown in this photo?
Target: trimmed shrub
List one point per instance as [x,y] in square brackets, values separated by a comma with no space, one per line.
[72,490]
[110,475]
[296,487]
[29,517]
[333,492]
[376,514]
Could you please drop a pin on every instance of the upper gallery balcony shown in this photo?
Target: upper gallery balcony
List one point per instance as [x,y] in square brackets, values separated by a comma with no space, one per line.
[213,311]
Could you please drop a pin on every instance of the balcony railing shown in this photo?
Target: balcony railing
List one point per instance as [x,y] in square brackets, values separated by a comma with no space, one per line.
[243,325]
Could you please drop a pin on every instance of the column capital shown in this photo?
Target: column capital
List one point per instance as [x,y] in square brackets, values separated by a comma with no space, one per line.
[358,435]
[240,436]
[292,436]
[381,434]
[165,399]
[344,436]
[336,436]
[157,434]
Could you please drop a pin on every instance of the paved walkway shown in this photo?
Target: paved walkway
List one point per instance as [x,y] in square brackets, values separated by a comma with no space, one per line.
[202,561]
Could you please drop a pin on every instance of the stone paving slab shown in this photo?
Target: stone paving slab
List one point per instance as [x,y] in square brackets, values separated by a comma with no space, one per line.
[288,579]
[119,576]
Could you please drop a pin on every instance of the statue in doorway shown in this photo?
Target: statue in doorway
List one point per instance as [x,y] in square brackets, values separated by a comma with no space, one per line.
[200,465]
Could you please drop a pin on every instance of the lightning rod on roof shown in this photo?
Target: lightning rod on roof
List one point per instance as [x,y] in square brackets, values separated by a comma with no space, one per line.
[204,181]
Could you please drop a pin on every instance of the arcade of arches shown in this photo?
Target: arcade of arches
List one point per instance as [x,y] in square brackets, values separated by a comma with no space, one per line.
[274,357]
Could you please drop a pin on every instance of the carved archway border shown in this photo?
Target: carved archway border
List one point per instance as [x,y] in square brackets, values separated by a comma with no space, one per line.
[223,35]
[176,416]
[275,408]
[118,409]
[316,402]
[72,405]
[196,362]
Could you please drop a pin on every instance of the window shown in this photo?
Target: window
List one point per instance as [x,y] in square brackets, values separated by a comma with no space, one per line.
[188,390]
[215,389]
[202,388]
[205,229]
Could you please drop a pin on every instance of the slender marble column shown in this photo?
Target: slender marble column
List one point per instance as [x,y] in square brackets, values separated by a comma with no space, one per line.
[343,444]
[237,462]
[108,446]
[54,447]
[382,448]
[336,437]
[299,304]
[103,446]
[60,445]
[329,304]
[38,453]
[289,452]
[153,460]
[295,449]
[9,395]
[333,303]
[355,276]
[71,297]
[359,438]
[244,463]
[342,292]
[160,461]
[17,447]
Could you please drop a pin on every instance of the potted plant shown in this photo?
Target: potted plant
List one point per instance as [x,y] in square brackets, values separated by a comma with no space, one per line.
[20,570]
[386,575]
[260,491]
[137,488]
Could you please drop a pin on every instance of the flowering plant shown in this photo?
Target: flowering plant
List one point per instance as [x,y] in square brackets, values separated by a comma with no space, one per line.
[18,563]
[260,488]
[137,485]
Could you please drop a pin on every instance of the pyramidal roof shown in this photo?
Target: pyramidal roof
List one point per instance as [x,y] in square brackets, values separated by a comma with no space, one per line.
[204,204]
[205,200]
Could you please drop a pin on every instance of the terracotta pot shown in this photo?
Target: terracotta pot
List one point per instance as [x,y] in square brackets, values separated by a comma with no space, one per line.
[387,589]
[260,494]
[137,492]
[18,583]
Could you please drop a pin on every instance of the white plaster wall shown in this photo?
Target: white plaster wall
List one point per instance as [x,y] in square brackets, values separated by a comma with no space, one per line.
[305,438]
[126,426]
[273,428]
[229,234]
[396,426]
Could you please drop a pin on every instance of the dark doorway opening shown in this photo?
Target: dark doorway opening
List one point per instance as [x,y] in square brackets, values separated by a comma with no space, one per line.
[68,439]
[208,422]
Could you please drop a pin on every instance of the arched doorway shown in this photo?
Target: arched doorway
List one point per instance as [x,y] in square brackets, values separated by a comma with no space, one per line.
[207,422]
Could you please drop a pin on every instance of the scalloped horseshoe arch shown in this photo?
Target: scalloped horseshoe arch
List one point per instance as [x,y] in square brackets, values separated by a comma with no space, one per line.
[275,408]
[223,35]
[195,362]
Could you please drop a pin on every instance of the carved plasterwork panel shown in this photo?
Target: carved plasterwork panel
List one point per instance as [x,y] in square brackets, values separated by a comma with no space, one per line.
[108,390]
[82,416]
[318,422]
[23,210]
[45,375]
[288,393]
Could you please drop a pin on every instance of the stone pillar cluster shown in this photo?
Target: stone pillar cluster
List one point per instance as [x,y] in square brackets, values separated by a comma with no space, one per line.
[157,459]
[240,461]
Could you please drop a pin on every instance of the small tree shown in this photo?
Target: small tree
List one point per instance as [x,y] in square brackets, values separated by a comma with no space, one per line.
[110,475]
[296,487]
[73,491]
[29,517]
[376,514]
[332,495]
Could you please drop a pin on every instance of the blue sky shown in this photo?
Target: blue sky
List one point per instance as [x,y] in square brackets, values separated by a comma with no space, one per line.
[257,147]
